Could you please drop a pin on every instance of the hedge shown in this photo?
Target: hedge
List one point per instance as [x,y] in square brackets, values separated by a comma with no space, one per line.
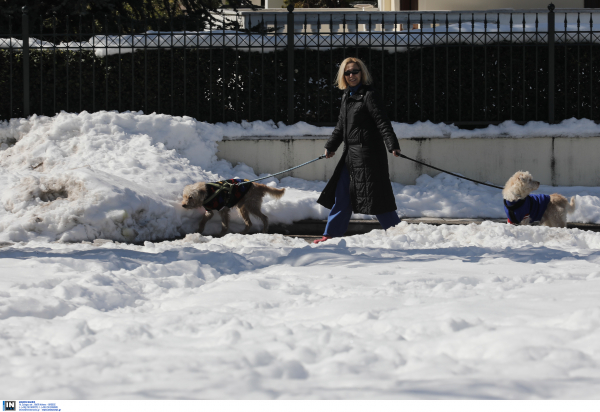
[447,83]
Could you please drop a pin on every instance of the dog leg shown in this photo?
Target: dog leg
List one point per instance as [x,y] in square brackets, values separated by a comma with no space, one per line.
[246,216]
[265,220]
[571,207]
[556,212]
[207,216]
[224,221]
[563,216]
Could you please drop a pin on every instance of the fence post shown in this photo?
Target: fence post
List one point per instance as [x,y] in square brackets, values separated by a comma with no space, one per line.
[551,29]
[290,49]
[25,31]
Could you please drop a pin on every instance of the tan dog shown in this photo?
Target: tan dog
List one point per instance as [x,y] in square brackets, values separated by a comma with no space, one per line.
[521,184]
[195,194]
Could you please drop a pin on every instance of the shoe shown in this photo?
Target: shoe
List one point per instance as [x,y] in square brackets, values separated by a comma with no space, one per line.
[323,239]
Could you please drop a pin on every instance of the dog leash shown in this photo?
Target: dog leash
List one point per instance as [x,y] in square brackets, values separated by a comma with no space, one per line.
[401,155]
[285,171]
[224,186]
[450,173]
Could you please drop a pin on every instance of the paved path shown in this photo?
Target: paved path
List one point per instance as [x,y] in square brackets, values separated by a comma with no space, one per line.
[313,229]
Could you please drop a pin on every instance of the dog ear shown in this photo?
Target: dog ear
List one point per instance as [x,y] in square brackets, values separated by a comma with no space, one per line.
[199,196]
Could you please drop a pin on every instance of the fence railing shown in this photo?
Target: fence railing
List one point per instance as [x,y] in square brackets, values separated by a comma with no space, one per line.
[467,68]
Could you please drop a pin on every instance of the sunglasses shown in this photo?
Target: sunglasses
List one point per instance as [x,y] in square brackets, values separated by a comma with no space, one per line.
[349,72]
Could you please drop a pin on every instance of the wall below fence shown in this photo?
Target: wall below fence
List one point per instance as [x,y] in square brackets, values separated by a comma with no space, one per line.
[495,4]
[557,161]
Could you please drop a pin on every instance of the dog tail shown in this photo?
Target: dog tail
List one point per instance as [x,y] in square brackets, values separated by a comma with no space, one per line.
[571,207]
[274,192]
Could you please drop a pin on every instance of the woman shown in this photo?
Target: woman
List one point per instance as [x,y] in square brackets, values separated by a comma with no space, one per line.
[361,181]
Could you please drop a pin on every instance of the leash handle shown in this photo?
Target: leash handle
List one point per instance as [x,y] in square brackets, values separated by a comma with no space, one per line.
[450,173]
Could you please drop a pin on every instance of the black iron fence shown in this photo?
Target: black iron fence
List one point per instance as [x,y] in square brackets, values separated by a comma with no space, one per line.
[466,68]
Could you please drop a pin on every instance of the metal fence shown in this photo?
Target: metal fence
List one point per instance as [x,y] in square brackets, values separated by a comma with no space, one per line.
[467,68]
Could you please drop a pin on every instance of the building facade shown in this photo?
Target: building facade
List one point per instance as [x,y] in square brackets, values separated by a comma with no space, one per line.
[433,5]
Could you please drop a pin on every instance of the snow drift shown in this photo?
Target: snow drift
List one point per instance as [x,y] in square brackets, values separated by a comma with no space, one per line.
[120,176]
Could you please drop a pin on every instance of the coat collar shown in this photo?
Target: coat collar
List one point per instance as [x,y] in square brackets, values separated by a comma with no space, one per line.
[359,94]
[515,204]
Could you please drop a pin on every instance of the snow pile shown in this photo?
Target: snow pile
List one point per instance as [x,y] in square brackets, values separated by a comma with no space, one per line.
[567,128]
[103,175]
[487,235]
[117,176]
[120,176]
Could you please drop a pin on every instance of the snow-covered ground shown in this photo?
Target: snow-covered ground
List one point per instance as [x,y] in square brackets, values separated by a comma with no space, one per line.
[489,311]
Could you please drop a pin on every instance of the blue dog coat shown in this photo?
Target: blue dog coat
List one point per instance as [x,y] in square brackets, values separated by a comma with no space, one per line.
[228,193]
[533,206]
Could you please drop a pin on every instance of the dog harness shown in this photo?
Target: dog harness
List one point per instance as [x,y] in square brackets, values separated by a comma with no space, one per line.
[226,193]
[532,206]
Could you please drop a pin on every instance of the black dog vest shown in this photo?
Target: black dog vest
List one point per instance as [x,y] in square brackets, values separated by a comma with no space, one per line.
[226,193]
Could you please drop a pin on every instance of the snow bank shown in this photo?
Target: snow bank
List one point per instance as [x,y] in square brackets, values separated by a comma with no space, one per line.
[487,235]
[120,176]
[105,175]
[567,128]
[405,236]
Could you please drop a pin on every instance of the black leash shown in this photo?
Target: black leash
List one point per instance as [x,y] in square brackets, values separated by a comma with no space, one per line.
[450,173]
[401,155]
[225,186]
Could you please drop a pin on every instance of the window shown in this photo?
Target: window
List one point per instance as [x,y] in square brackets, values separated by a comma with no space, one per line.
[414,4]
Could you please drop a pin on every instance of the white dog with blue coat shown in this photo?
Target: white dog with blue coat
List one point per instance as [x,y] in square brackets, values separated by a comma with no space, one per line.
[523,208]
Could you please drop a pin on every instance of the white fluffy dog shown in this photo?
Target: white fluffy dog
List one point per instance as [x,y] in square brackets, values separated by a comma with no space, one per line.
[523,208]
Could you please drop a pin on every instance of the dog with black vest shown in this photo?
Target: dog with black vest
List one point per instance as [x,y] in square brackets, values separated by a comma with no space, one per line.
[224,195]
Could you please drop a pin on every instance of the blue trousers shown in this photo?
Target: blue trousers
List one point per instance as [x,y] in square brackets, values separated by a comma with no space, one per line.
[339,216]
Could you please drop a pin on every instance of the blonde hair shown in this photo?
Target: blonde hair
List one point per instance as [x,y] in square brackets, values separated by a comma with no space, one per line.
[365,75]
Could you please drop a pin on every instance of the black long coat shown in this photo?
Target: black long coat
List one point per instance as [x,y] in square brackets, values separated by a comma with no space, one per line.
[366,131]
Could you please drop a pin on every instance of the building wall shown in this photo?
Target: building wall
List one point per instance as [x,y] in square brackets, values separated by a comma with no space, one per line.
[274,4]
[558,161]
[496,4]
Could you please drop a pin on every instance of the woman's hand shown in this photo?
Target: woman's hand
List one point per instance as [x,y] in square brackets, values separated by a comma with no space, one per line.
[396,152]
[328,154]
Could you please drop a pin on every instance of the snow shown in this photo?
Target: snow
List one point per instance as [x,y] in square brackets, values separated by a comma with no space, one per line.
[567,128]
[120,176]
[421,312]
[418,311]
